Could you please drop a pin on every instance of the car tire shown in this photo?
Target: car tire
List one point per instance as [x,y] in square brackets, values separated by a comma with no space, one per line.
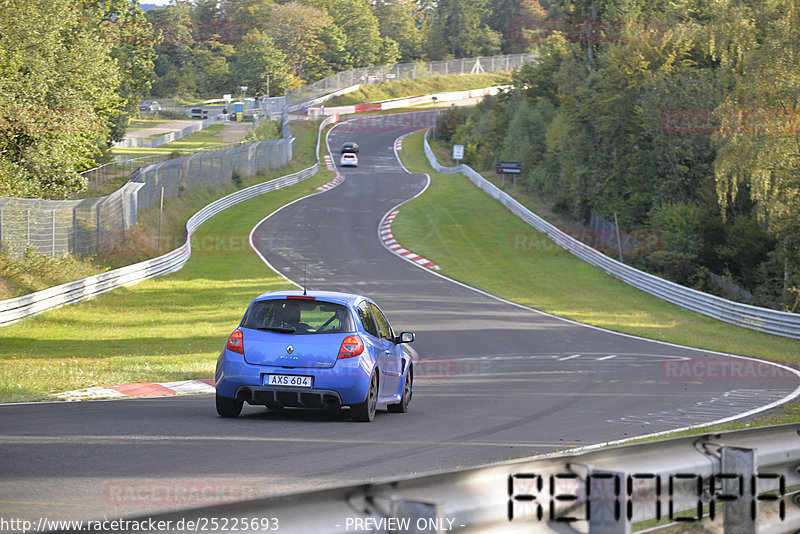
[405,398]
[364,412]
[228,407]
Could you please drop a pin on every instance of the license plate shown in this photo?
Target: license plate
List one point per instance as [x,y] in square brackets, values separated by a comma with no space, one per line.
[287,380]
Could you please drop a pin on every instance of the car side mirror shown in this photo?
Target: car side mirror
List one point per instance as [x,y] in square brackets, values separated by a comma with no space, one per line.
[404,337]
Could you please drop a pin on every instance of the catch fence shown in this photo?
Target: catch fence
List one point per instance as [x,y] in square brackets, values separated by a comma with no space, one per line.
[405,71]
[86,226]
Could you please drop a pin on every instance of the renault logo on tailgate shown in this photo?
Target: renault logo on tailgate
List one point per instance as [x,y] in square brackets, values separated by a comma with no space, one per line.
[289,349]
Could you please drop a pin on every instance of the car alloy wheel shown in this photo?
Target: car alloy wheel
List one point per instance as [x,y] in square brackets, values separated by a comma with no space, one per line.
[364,412]
[402,406]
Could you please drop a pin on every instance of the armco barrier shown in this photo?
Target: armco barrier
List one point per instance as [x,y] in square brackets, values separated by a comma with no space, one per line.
[13,310]
[599,490]
[394,103]
[762,319]
[152,142]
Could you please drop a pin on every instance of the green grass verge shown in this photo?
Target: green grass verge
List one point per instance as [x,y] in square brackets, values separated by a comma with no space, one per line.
[508,258]
[421,86]
[167,328]
[164,329]
[141,124]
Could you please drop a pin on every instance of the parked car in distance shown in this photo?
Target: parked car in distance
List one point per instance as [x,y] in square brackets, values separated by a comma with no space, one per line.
[149,106]
[350,147]
[349,160]
[315,349]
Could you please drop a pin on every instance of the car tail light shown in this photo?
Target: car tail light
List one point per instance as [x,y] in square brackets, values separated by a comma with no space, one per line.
[235,342]
[351,346]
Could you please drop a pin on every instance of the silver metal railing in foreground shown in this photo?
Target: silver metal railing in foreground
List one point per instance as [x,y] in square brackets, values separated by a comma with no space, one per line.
[744,476]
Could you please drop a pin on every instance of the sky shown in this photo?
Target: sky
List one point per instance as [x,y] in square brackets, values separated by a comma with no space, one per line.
[145,3]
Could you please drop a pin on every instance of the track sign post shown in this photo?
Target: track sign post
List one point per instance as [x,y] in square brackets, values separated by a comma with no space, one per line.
[509,167]
[458,152]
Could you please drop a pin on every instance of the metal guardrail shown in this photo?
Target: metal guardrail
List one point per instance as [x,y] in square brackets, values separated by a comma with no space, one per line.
[16,309]
[745,476]
[762,319]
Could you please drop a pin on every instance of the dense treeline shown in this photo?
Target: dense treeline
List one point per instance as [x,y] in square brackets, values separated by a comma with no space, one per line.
[72,73]
[210,47]
[679,117]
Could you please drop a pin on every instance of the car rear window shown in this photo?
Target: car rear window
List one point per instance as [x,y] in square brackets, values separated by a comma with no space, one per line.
[302,315]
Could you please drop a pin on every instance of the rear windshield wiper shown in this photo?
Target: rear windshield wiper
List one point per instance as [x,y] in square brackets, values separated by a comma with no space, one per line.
[279,329]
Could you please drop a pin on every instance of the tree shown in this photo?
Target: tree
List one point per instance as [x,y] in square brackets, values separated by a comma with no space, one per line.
[58,90]
[361,29]
[333,56]
[295,29]
[244,15]
[131,38]
[175,74]
[396,21]
[759,128]
[212,62]
[260,65]
[510,18]
[461,29]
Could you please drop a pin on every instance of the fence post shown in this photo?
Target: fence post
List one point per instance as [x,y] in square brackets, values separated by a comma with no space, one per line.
[739,473]
[74,229]
[99,231]
[606,500]
[53,234]
[169,180]
[28,226]
[2,228]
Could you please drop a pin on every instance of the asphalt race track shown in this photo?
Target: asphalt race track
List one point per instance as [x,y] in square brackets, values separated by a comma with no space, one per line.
[494,381]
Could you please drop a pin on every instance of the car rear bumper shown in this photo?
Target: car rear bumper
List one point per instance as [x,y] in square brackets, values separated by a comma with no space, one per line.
[348,379]
[289,397]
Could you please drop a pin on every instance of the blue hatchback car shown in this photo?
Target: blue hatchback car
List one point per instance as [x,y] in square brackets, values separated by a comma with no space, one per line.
[315,350]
